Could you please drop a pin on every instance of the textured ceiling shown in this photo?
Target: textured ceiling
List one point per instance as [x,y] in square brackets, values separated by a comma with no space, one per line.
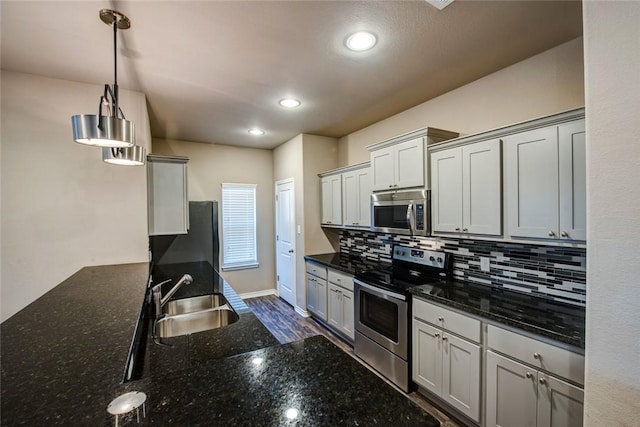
[213,69]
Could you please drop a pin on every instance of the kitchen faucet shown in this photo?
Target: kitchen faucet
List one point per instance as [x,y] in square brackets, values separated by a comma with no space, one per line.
[159,300]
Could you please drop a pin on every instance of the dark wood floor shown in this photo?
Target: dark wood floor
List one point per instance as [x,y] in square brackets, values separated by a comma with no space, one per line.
[288,326]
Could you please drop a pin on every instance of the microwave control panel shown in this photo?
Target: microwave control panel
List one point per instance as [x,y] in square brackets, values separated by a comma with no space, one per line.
[420,217]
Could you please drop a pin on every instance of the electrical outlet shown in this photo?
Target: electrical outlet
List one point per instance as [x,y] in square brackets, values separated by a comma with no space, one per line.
[484,263]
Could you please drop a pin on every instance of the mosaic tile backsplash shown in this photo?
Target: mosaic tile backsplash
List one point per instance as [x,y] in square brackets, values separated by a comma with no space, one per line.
[548,271]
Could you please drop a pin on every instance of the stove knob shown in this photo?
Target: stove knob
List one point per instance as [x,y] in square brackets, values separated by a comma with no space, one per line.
[431,258]
[439,259]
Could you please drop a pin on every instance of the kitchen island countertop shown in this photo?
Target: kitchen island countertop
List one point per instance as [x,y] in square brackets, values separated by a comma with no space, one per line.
[63,357]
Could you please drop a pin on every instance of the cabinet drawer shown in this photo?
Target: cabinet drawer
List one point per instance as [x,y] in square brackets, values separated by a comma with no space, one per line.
[447,319]
[547,357]
[317,270]
[341,279]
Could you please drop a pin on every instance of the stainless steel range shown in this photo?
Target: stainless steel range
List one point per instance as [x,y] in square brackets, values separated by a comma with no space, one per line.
[383,309]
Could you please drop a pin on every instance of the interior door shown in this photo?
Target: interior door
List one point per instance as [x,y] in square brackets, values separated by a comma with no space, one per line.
[285,241]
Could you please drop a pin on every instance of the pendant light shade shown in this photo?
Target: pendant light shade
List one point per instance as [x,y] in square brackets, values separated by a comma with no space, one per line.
[115,132]
[125,156]
[111,130]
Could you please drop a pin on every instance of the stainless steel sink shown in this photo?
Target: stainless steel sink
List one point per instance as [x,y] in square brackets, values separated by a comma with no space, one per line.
[189,305]
[189,323]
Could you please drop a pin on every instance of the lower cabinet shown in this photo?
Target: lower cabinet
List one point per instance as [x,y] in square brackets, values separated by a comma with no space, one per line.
[519,396]
[340,311]
[317,296]
[445,364]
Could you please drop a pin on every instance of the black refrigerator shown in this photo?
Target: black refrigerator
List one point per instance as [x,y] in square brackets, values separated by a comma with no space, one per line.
[199,244]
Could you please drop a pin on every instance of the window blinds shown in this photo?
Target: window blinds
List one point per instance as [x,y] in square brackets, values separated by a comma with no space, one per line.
[239,226]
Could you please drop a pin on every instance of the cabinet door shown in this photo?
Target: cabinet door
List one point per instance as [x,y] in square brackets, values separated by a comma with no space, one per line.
[446,190]
[348,314]
[363,177]
[409,160]
[336,199]
[326,192]
[532,183]
[312,294]
[427,356]
[382,169]
[482,188]
[350,202]
[334,310]
[461,375]
[511,393]
[560,404]
[321,299]
[168,210]
[573,181]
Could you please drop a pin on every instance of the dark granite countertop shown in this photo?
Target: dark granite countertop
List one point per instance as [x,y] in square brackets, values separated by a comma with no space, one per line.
[63,354]
[559,321]
[63,358]
[556,320]
[345,263]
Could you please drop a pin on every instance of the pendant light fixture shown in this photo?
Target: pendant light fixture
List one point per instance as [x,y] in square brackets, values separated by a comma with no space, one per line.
[111,130]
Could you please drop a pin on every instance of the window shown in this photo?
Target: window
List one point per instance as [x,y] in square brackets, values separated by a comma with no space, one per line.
[239,249]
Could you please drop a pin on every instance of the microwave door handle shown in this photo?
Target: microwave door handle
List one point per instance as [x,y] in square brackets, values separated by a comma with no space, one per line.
[410,217]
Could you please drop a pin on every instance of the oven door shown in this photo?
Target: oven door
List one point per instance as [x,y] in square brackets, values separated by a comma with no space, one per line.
[381,316]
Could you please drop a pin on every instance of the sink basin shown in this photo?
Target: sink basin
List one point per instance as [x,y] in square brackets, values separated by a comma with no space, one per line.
[189,305]
[198,321]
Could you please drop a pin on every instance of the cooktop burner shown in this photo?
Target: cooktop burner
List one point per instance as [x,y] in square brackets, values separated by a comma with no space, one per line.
[411,267]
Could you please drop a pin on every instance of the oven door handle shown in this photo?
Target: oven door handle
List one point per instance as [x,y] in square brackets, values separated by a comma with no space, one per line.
[410,218]
[375,290]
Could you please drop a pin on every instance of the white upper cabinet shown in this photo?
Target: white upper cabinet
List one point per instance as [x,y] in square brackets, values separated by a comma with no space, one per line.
[356,197]
[546,182]
[331,193]
[400,162]
[399,166]
[573,182]
[466,189]
[168,205]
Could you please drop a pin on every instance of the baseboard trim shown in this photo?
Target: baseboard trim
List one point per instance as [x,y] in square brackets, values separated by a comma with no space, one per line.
[302,312]
[257,294]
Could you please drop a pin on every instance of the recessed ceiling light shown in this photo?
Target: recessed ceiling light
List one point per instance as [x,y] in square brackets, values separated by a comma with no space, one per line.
[292,413]
[256,131]
[361,41]
[440,4]
[289,102]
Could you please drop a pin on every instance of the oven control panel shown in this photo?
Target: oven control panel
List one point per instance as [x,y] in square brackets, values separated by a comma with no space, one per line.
[426,257]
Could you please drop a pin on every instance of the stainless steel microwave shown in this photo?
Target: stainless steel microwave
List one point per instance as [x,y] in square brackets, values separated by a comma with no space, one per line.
[401,212]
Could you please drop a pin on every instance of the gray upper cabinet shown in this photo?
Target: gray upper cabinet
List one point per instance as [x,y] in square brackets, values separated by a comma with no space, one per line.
[546,182]
[168,206]
[466,189]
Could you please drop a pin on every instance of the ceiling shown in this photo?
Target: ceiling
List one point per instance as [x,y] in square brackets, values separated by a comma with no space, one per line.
[213,69]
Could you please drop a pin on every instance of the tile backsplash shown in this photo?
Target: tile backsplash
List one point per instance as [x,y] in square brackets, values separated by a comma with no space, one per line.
[548,271]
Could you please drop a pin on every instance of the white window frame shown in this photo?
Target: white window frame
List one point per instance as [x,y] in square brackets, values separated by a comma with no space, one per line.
[251,243]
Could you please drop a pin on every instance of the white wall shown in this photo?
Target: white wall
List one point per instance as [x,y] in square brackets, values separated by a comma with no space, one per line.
[543,84]
[209,166]
[612,86]
[62,207]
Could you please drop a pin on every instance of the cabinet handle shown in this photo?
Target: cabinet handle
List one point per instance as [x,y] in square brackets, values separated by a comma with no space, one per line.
[457,228]
[542,381]
[465,230]
[390,186]
[440,319]
[436,335]
[536,355]
[444,338]
[564,234]
[528,375]
[552,234]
